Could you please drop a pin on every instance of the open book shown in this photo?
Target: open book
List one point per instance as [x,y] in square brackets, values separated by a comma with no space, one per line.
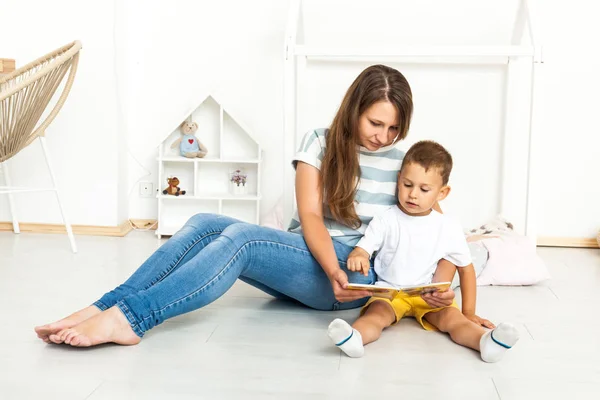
[390,292]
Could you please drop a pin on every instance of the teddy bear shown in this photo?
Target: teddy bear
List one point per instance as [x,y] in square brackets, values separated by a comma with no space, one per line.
[189,145]
[173,188]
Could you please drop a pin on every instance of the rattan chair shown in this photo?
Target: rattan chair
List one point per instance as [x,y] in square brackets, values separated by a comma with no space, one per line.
[24,96]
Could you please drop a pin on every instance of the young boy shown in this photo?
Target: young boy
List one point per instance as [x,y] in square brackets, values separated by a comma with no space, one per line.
[410,239]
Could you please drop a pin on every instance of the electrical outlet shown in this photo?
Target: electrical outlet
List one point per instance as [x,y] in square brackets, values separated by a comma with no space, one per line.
[146,189]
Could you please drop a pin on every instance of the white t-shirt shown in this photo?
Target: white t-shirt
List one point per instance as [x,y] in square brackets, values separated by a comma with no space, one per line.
[409,247]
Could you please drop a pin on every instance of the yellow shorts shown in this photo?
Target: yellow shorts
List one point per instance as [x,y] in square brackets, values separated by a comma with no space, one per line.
[409,307]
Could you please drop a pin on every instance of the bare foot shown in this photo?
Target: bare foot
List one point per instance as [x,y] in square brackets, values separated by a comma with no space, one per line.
[45,331]
[109,326]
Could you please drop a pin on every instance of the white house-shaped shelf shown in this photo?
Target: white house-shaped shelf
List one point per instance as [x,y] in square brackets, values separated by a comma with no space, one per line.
[207,181]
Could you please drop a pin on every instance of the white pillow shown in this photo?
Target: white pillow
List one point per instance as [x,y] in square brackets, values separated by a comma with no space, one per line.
[512,261]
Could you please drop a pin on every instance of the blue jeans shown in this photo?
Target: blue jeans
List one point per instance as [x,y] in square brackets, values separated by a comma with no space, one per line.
[205,258]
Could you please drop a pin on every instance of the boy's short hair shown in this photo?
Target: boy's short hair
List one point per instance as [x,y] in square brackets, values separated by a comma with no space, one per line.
[429,154]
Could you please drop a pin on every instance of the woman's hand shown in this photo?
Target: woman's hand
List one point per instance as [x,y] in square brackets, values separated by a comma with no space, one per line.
[358,261]
[339,282]
[439,299]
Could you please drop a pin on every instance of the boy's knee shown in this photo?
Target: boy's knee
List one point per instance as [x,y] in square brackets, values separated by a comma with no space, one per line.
[381,312]
[448,318]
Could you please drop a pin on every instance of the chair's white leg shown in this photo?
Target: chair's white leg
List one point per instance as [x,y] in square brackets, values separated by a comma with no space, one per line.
[62,211]
[11,201]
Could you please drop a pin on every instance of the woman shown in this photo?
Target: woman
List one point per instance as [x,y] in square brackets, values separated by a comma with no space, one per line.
[351,168]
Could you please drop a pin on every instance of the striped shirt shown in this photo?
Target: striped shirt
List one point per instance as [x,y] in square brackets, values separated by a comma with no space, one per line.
[376,190]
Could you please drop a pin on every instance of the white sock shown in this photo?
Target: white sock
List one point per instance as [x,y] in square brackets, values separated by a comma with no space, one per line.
[346,338]
[494,343]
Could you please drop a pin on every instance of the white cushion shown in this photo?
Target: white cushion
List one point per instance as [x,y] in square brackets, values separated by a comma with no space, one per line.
[512,260]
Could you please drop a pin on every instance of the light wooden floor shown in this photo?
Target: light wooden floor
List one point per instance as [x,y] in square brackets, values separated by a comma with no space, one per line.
[248,346]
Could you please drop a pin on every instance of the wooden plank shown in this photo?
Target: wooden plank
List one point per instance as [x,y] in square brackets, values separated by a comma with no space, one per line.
[90,230]
[150,224]
[567,242]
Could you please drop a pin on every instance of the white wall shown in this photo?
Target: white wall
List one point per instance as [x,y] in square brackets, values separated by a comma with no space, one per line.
[84,138]
[135,88]
[568,123]
[233,49]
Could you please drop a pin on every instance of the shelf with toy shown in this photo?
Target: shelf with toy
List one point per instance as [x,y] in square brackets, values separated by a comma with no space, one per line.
[173,189]
[188,144]
[221,178]
[208,160]
[218,164]
[208,117]
[176,159]
[179,176]
[217,196]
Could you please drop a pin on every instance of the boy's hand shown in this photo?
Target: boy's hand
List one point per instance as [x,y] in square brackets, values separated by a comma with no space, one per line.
[480,321]
[358,261]
[439,299]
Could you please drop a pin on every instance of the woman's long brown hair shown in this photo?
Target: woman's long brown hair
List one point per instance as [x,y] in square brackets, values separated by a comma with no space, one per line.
[340,169]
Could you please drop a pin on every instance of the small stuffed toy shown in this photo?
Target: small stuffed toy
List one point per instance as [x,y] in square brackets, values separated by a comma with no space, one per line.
[189,145]
[496,226]
[173,188]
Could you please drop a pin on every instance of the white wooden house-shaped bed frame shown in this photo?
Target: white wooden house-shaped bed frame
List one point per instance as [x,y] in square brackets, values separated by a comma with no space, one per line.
[522,58]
